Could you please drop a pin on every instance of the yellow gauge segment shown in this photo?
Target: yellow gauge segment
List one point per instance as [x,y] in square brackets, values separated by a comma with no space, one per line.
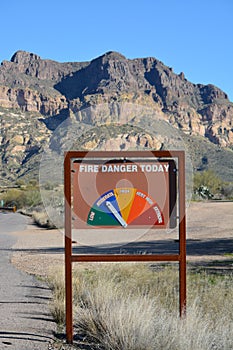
[125,197]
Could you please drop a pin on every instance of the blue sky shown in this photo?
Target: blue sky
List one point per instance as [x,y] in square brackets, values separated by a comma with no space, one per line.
[192,36]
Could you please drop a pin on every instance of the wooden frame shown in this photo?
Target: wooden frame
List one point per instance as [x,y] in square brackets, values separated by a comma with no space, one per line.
[70,258]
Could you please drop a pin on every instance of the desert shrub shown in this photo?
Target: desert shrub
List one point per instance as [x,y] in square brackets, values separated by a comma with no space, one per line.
[207,184]
[227,190]
[33,183]
[203,192]
[20,183]
[12,196]
[135,307]
[22,197]
[31,198]
[48,186]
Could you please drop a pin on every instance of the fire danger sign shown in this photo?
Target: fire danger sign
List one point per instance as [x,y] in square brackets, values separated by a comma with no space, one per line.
[122,190]
[124,193]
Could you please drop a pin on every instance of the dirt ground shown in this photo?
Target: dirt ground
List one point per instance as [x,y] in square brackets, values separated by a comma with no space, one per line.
[209,239]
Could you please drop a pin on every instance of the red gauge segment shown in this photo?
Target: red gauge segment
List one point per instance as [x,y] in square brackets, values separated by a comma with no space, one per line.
[152,216]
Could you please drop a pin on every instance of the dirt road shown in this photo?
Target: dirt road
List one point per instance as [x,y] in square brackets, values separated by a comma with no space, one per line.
[209,238]
[25,320]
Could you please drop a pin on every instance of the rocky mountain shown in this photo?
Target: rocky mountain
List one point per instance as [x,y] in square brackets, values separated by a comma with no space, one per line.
[37,94]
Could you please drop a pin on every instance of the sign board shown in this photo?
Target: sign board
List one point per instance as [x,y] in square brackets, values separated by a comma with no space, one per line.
[124,193]
[121,190]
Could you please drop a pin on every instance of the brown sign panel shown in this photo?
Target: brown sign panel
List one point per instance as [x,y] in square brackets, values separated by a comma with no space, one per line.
[124,193]
[123,189]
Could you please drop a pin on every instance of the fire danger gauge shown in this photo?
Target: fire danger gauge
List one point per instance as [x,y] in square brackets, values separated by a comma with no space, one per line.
[125,207]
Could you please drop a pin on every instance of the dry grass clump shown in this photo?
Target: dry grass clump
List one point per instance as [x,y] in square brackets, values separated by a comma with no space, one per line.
[42,219]
[135,307]
[57,306]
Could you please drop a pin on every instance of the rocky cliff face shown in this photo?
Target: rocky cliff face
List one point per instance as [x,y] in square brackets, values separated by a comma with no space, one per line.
[42,93]
[32,84]
[29,100]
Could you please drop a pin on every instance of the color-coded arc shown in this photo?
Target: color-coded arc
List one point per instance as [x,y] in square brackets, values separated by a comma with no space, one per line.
[125,207]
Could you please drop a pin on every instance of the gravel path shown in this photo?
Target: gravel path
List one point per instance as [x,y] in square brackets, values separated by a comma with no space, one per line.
[25,323]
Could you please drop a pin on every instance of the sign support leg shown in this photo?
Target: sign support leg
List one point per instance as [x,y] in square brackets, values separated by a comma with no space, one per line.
[182,235]
[68,288]
[68,252]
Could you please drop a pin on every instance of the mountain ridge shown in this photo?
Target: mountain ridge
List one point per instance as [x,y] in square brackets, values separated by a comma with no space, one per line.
[48,87]
[43,93]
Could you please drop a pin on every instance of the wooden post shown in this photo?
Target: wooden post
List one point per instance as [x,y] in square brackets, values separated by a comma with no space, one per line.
[68,250]
[182,234]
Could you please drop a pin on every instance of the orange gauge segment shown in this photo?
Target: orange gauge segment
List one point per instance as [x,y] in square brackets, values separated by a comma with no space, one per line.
[141,203]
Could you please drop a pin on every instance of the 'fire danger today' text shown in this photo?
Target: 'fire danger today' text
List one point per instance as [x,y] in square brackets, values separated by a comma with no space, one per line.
[124,168]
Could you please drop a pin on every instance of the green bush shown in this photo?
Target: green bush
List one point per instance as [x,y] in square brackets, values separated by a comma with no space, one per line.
[32,198]
[207,184]
[22,198]
[227,190]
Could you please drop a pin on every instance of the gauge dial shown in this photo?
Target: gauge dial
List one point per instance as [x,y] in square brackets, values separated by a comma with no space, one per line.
[123,207]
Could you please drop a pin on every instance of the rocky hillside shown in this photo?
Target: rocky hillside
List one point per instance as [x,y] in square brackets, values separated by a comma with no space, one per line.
[36,95]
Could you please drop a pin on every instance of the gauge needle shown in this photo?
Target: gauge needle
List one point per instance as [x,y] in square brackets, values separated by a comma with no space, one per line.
[116,214]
